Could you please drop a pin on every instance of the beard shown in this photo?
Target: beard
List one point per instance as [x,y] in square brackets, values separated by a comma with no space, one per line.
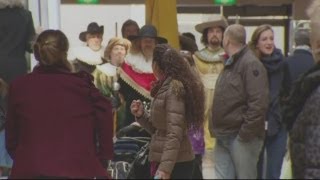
[95,47]
[214,41]
[147,52]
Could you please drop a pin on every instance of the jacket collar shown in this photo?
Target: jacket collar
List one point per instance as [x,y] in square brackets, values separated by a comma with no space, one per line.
[50,69]
[236,56]
[165,86]
[304,51]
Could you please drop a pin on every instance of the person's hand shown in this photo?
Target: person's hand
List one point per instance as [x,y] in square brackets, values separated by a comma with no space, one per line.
[137,108]
[162,175]
[115,102]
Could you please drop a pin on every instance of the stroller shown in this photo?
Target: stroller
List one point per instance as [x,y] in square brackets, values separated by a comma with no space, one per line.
[130,154]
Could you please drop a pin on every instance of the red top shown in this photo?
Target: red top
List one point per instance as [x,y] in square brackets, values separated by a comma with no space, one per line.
[142,79]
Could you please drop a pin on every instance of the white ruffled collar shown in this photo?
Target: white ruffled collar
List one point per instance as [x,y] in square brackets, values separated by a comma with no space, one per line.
[86,55]
[139,63]
[108,69]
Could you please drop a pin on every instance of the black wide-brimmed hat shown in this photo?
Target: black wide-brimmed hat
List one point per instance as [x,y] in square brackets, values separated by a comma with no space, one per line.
[149,31]
[93,28]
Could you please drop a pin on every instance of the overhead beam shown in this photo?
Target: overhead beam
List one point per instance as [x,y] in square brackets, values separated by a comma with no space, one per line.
[265,2]
[285,10]
[197,2]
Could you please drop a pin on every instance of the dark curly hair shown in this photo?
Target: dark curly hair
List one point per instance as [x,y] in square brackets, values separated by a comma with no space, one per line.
[173,65]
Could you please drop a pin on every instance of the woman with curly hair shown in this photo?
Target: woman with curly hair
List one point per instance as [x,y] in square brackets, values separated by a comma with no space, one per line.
[178,106]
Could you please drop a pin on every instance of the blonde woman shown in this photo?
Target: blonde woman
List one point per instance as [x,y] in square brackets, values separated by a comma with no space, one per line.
[106,76]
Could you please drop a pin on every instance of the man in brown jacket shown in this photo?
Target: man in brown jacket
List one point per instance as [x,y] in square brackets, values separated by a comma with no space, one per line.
[240,104]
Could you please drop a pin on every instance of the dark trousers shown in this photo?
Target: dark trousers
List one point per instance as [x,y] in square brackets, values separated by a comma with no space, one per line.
[183,170]
[275,147]
[197,171]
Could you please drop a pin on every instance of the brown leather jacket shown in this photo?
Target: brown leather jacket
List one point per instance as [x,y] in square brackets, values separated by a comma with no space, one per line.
[166,122]
[241,97]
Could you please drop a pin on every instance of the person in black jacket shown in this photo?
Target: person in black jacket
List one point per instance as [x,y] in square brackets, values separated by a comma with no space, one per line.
[298,63]
[303,111]
[295,66]
[16,35]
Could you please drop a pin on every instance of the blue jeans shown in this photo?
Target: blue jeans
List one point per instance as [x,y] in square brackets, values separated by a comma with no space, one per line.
[235,159]
[275,147]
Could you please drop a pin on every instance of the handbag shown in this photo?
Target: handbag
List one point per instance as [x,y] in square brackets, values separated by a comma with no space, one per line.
[140,167]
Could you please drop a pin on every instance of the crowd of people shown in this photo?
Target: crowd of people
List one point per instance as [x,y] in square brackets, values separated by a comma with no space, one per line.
[225,111]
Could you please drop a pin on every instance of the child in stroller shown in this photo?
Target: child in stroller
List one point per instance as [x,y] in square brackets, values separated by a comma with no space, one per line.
[130,154]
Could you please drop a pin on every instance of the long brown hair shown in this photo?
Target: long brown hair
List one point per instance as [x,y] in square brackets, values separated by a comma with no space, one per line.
[255,38]
[51,49]
[173,65]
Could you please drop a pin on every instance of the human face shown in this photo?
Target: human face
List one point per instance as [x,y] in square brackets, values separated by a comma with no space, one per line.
[214,36]
[94,41]
[265,42]
[117,55]
[147,46]
[131,30]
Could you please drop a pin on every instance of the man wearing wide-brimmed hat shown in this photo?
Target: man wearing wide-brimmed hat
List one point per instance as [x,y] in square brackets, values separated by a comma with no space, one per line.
[209,62]
[87,57]
[148,38]
[136,72]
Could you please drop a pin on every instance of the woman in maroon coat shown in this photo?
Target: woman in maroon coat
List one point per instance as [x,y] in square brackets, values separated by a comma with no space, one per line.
[58,123]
